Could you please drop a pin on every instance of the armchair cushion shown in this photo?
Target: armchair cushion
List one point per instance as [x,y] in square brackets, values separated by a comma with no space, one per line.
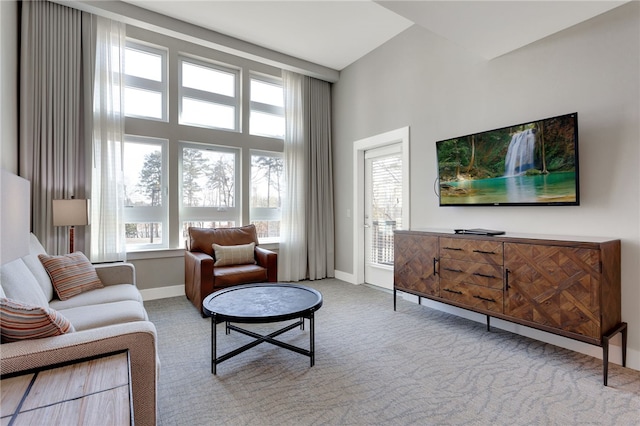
[239,274]
[21,321]
[71,274]
[241,254]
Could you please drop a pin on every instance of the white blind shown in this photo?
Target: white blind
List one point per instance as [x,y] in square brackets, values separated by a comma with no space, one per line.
[386,214]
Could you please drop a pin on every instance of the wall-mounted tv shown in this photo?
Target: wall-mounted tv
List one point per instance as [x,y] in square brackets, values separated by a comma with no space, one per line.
[533,163]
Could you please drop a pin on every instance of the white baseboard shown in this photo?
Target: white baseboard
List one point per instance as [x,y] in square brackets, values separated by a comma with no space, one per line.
[344,276]
[163,292]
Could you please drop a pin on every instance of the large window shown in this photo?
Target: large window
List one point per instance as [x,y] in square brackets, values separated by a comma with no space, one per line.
[208,186]
[267,186]
[145,92]
[267,107]
[209,95]
[208,142]
[145,166]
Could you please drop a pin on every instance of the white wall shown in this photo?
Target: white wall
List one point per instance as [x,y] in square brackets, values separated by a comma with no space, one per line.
[9,85]
[442,91]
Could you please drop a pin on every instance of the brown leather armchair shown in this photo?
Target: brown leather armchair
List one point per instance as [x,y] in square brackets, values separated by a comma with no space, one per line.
[202,278]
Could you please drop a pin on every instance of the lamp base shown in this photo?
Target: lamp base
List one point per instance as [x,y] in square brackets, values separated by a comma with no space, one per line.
[71,238]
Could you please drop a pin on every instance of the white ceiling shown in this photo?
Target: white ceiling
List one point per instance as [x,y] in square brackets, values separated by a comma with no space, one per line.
[335,33]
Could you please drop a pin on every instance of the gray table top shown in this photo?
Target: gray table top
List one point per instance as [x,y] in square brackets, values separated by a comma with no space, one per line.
[262,303]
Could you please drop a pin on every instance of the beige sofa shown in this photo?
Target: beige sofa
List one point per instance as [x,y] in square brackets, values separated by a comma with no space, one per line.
[105,320]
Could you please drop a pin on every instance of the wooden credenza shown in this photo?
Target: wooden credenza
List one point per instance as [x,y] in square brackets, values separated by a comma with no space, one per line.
[93,391]
[566,287]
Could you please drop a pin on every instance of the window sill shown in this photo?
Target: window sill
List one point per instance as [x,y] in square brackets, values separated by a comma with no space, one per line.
[177,252]
[155,254]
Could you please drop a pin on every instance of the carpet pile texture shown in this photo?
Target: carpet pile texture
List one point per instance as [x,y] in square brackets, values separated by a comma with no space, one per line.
[374,366]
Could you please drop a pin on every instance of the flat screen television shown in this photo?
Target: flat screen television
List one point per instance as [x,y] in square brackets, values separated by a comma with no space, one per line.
[528,164]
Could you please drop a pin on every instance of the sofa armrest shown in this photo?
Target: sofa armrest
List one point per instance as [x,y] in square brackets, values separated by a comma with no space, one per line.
[268,259]
[116,273]
[139,338]
[198,277]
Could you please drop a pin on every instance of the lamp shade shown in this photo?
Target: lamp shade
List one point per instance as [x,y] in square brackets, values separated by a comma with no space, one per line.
[15,217]
[70,212]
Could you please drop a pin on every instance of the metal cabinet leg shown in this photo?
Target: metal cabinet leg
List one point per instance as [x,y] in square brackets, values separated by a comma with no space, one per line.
[621,328]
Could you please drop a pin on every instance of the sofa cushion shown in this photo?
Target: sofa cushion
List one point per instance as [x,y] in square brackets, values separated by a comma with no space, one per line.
[71,274]
[107,294]
[20,321]
[19,284]
[202,239]
[36,268]
[105,314]
[241,254]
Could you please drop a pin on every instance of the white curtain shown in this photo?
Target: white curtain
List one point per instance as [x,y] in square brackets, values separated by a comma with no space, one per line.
[54,108]
[292,253]
[107,185]
[307,227]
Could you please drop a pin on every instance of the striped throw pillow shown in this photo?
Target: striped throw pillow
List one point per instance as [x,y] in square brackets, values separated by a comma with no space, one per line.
[240,254]
[19,321]
[71,274]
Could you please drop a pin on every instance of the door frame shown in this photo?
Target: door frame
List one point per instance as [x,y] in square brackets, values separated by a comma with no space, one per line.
[391,137]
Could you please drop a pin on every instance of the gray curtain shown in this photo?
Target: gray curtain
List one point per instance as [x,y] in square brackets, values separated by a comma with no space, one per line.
[54,62]
[307,228]
[320,229]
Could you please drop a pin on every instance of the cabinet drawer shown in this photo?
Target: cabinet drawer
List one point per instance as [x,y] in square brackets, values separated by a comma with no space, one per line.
[482,274]
[478,297]
[484,251]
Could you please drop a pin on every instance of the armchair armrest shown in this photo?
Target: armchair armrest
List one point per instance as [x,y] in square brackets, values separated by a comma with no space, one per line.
[139,338]
[198,277]
[268,259]
[116,273]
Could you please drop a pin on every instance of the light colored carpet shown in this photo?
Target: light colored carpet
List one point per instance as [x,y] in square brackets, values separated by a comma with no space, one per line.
[375,366]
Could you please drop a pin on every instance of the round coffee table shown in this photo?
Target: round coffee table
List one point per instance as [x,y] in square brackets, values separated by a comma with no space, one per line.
[262,303]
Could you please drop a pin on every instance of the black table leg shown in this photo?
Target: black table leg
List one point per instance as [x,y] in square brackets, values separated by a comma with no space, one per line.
[312,339]
[213,344]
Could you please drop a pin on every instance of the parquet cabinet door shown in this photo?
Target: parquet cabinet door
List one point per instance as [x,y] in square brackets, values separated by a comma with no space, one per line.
[554,286]
[415,264]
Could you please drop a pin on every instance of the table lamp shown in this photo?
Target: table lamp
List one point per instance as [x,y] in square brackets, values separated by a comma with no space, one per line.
[70,213]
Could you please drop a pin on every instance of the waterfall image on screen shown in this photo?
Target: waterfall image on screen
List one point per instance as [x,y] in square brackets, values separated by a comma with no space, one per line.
[520,154]
[533,163]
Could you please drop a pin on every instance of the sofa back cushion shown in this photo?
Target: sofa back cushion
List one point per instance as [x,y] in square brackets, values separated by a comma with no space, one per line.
[203,239]
[36,268]
[19,284]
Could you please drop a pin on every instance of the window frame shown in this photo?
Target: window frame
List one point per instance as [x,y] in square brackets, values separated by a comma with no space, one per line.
[268,214]
[262,107]
[213,213]
[151,214]
[147,84]
[210,97]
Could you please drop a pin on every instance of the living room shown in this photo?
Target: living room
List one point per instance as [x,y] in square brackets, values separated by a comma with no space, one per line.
[441,90]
